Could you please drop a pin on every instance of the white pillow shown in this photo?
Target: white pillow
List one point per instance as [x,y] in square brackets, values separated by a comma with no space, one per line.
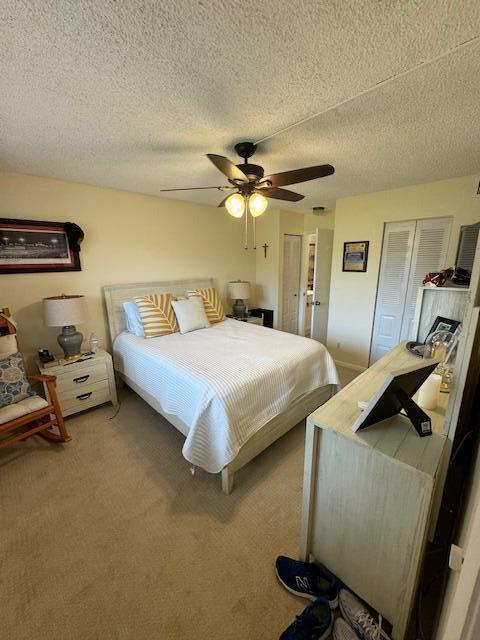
[190,314]
[132,319]
[8,345]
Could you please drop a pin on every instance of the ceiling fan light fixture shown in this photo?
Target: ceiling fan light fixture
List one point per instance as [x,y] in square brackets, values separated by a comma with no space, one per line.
[235,205]
[257,204]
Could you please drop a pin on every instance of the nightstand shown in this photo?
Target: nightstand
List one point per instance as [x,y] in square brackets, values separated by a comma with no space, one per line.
[83,383]
[262,316]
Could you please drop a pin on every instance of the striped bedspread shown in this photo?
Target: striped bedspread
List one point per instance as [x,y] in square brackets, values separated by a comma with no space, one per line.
[224,382]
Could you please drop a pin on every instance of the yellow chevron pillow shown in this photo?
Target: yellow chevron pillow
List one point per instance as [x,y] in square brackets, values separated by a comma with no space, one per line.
[157,315]
[211,302]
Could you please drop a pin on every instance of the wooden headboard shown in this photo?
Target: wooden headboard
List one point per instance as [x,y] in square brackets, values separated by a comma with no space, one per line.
[116,294]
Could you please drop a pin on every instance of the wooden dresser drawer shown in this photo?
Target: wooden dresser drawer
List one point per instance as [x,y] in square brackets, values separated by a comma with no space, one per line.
[77,378]
[77,399]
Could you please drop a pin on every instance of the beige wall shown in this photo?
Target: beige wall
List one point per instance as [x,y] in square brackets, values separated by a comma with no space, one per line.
[128,238]
[267,268]
[352,295]
[325,220]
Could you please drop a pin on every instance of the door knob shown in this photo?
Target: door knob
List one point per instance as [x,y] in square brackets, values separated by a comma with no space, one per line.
[317,303]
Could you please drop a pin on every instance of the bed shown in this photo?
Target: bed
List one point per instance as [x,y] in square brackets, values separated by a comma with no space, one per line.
[231,390]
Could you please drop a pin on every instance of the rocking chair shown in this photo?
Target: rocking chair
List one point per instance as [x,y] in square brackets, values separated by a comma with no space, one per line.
[33,415]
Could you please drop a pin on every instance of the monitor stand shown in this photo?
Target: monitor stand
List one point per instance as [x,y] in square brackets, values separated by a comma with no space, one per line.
[420,420]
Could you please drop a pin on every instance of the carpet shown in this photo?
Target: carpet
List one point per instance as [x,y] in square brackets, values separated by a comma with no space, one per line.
[111,537]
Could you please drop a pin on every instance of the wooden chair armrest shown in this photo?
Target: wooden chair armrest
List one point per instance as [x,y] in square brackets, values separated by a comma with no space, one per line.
[44,378]
[51,383]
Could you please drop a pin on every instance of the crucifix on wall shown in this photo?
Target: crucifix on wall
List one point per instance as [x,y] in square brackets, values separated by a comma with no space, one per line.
[265,247]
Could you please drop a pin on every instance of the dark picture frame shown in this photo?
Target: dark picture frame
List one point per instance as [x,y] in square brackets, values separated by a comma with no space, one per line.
[355,256]
[37,246]
[445,324]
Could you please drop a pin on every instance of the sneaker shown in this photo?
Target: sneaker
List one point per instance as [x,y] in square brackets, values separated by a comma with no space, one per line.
[343,631]
[307,580]
[314,623]
[358,617]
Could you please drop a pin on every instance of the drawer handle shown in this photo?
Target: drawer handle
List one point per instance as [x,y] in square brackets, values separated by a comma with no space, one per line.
[84,396]
[81,378]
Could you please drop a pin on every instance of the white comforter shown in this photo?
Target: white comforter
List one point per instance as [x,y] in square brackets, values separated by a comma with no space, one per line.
[224,382]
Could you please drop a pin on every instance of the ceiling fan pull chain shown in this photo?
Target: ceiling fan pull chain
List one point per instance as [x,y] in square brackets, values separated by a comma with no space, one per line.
[246,225]
[254,233]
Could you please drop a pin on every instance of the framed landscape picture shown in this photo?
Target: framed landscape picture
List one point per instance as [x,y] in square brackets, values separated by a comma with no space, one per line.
[355,256]
[29,246]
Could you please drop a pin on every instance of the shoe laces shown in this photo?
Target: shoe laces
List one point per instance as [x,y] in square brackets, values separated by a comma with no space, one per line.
[368,625]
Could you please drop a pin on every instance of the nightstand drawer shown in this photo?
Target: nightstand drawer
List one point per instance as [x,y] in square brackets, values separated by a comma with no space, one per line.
[78,378]
[73,400]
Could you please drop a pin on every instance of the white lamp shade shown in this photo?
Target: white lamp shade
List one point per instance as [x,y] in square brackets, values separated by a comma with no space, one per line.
[239,290]
[62,311]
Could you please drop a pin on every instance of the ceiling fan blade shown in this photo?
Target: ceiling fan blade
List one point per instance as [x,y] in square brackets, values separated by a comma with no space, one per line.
[227,168]
[300,175]
[196,188]
[280,194]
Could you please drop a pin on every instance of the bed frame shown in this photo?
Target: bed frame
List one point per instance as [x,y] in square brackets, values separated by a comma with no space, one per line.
[298,410]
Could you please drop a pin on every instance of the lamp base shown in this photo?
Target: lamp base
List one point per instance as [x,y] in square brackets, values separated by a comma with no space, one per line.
[71,342]
[239,309]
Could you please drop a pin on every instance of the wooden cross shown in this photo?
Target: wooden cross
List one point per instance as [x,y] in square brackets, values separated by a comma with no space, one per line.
[265,247]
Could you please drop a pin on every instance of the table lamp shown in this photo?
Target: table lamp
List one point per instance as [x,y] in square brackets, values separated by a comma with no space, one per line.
[66,311]
[239,291]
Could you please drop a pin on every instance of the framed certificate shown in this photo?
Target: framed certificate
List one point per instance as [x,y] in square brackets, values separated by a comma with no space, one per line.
[355,256]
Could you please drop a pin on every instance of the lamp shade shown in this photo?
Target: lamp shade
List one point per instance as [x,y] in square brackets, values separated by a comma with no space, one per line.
[239,290]
[63,311]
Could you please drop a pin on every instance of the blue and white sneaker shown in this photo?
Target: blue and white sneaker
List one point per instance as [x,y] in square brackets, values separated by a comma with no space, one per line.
[314,623]
[307,580]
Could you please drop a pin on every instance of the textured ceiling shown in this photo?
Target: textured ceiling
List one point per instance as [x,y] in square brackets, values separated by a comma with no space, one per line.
[132,94]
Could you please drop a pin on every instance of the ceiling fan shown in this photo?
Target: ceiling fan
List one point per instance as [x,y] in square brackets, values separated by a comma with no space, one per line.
[251,188]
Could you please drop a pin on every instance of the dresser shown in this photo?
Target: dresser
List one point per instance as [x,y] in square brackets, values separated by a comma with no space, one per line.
[370,497]
[84,383]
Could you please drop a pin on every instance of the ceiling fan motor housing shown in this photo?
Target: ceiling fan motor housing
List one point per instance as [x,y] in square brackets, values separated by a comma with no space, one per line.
[252,171]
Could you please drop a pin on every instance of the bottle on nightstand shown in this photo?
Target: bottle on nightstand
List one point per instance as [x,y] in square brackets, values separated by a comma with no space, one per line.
[93,343]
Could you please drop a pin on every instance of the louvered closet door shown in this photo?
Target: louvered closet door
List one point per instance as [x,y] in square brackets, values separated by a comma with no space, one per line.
[398,240]
[429,254]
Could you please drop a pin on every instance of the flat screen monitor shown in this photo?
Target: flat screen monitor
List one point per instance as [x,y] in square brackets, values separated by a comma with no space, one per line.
[396,394]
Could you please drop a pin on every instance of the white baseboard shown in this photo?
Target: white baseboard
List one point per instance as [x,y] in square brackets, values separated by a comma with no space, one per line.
[350,365]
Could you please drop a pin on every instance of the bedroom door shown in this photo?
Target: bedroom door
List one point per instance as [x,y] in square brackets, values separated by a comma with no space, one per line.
[292,255]
[321,284]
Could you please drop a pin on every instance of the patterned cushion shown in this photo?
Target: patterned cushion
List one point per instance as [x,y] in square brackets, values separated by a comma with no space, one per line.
[211,302]
[14,385]
[157,315]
